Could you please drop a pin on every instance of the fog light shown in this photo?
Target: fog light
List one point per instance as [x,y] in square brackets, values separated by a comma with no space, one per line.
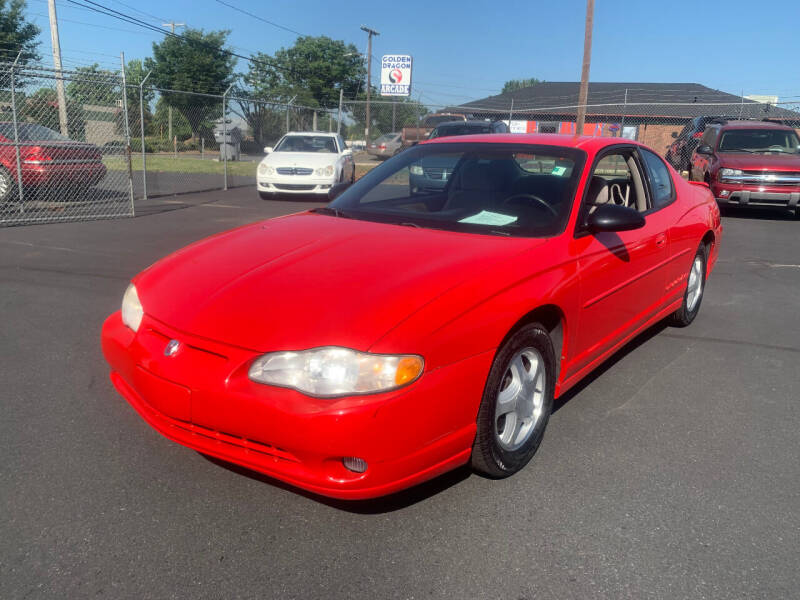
[356,465]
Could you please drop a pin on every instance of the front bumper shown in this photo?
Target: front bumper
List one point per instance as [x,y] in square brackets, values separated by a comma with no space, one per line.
[202,398]
[732,194]
[297,184]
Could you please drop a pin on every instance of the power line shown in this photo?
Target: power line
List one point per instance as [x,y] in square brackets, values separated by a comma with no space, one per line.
[110,12]
[249,14]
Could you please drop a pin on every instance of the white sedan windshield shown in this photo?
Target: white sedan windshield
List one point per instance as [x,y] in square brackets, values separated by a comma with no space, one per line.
[307,143]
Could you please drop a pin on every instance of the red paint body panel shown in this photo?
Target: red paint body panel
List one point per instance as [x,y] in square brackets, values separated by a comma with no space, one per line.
[311,280]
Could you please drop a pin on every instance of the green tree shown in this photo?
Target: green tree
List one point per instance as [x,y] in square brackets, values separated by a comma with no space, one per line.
[194,62]
[93,85]
[518,84]
[17,34]
[41,107]
[313,70]
[180,125]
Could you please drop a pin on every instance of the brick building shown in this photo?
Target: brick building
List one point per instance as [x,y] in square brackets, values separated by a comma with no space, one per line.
[648,112]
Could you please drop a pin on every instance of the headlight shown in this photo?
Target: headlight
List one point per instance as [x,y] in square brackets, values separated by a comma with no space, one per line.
[265,169]
[729,172]
[325,171]
[332,371]
[132,310]
[416,170]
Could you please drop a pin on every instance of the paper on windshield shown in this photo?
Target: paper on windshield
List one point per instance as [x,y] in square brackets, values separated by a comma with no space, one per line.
[486,217]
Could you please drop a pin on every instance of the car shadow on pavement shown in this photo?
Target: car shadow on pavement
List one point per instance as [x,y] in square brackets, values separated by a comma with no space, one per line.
[609,363]
[761,214]
[375,506]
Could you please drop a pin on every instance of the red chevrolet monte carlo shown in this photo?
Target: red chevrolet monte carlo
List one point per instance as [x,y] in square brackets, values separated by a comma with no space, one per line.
[406,329]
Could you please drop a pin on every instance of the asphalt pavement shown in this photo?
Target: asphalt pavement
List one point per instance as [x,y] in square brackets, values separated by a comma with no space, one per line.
[672,472]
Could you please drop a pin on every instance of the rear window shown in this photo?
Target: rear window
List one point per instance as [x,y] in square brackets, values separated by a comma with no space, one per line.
[445,131]
[30,132]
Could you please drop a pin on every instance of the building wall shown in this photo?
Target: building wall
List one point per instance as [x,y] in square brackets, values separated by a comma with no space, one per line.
[658,137]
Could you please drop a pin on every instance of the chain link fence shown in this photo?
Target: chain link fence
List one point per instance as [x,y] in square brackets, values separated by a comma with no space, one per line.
[73,146]
[62,146]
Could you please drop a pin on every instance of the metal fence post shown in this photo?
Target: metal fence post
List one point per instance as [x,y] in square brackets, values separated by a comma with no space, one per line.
[141,126]
[339,125]
[16,135]
[127,128]
[510,114]
[225,138]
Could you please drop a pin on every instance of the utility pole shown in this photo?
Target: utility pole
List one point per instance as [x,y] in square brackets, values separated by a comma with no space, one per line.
[587,59]
[370,33]
[62,99]
[172,25]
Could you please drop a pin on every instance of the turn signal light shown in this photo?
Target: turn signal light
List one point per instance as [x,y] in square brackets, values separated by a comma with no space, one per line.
[408,369]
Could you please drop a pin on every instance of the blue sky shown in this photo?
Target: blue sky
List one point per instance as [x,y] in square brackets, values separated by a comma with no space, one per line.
[466,50]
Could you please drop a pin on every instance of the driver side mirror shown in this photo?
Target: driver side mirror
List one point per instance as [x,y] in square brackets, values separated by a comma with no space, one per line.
[337,190]
[613,217]
[674,135]
[704,149]
[347,152]
[267,149]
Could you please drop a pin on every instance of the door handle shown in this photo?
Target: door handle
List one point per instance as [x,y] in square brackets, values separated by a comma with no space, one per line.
[661,240]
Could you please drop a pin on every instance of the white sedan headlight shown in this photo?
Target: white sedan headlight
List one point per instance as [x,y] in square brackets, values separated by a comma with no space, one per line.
[265,169]
[729,172]
[132,311]
[332,371]
[325,171]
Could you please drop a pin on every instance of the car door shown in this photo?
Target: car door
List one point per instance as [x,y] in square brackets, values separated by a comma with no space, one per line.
[621,275]
[701,163]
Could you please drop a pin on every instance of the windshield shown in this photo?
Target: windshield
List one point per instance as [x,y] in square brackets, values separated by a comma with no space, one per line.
[498,189]
[449,130]
[307,143]
[30,132]
[759,140]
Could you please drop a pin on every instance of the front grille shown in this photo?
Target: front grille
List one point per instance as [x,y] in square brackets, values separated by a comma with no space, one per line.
[235,440]
[294,187]
[294,171]
[437,173]
[791,178]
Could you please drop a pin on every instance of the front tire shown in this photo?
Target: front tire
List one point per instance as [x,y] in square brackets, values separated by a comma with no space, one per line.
[8,186]
[695,286]
[516,404]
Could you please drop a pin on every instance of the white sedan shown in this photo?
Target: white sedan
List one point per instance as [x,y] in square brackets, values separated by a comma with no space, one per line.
[305,163]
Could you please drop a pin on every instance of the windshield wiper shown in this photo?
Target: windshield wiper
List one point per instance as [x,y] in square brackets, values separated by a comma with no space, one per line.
[331,210]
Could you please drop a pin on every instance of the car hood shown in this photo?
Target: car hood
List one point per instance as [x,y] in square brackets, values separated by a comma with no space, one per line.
[760,162]
[300,159]
[311,280]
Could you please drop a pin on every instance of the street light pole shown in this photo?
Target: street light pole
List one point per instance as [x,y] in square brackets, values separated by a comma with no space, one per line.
[587,59]
[370,33]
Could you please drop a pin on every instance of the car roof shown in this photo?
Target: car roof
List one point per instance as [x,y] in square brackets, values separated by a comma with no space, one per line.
[314,133]
[755,125]
[585,142]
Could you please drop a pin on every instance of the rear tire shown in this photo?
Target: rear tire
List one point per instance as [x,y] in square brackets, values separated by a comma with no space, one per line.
[516,404]
[695,288]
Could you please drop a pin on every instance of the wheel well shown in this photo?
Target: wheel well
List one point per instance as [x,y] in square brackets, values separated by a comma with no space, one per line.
[708,240]
[552,318]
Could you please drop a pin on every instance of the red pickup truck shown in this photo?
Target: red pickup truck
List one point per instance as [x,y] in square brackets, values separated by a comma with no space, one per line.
[750,163]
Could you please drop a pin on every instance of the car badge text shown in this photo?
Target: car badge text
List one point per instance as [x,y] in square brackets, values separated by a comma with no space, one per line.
[172,348]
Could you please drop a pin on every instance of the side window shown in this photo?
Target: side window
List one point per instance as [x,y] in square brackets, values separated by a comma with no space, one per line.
[660,180]
[710,136]
[616,178]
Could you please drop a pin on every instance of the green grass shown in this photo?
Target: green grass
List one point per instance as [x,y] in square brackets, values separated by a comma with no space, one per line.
[183,164]
[166,163]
